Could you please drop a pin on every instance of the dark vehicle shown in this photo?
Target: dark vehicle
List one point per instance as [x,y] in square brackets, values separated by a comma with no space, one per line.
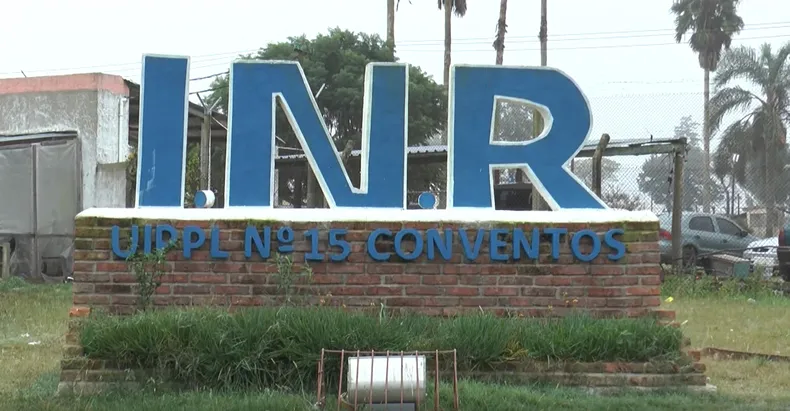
[783,253]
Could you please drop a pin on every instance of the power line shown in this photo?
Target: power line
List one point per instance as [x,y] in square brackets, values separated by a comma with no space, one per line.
[597,46]
[123,67]
[585,36]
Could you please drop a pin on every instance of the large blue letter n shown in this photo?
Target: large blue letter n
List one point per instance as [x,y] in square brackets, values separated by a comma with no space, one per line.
[257,86]
[473,153]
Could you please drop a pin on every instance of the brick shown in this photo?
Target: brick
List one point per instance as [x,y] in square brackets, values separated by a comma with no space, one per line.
[604,292]
[208,278]
[607,270]
[114,267]
[501,291]
[231,290]
[360,279]
[463,291]
[569,270]
[548,287]
[440,280]
[192,289]
[402,279]
[643,291]
[385,290]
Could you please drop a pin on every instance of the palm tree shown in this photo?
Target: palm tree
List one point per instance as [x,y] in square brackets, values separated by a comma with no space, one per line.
[459,8]
[499,46]
[712,24]
[757,138]
[501,29]
[391,23]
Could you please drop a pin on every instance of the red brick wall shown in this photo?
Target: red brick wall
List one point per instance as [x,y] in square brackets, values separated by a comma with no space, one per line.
[629,286]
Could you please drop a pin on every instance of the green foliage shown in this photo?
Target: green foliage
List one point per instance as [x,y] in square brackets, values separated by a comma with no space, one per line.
[473,396]
[265,347]
[708,286]
[286,276]
[148,269]
[13,283]
[655,178]
[712,24]
[337,60]
[757,140]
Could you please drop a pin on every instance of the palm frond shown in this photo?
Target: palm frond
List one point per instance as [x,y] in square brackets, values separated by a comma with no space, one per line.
[779,68]
[459,7]
[712,24]
[735,140]
[727,100]
[684,19]
[741,63]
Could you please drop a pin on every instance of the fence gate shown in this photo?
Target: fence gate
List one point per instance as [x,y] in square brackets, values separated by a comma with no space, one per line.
[40,194]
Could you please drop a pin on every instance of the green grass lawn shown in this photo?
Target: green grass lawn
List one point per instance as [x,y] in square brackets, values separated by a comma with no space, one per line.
[29,373]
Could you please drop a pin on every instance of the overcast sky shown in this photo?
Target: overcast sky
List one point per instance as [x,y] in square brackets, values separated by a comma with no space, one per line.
[621,52]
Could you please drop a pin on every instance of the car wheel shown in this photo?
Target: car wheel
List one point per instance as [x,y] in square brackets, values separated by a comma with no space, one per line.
[689,258]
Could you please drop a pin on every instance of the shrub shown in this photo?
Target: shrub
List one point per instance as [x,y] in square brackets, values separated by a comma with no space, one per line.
[281,347]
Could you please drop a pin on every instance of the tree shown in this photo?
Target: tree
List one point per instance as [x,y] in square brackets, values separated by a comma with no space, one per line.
[582,167]
[337,62]
[618,199]
[499,47]
[655,179]
[501,29]
[391,23]
[753,148]
[459,8]
[712,23]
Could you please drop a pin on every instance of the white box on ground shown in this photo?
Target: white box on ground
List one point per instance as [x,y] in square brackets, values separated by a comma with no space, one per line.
[386,373]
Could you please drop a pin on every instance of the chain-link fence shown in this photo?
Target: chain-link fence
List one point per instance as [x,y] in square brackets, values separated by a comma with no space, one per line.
[733,207]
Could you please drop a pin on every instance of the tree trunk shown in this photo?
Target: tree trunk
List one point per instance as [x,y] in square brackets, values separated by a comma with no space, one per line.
[501,29]
[771,167]
[391,24]
[544,31]
[448,40]
[499,46]
[706,144]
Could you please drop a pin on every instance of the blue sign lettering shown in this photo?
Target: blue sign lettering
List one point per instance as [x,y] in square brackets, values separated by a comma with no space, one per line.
[409,244]
[256,86]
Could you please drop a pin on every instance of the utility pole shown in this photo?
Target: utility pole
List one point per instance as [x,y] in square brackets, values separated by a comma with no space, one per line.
[677,211]
[205,145]
[537,120]
[205,150]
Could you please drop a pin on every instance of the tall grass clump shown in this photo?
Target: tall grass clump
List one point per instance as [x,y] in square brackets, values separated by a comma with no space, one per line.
[710,286]
[211,348]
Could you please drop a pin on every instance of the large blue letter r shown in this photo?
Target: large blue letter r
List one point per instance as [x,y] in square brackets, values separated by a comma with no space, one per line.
[473,153]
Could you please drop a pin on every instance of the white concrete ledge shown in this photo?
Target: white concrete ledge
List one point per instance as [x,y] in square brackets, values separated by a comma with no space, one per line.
[459,215]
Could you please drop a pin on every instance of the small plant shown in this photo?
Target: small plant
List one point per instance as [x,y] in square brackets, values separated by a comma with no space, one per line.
[148,269]
[287,279]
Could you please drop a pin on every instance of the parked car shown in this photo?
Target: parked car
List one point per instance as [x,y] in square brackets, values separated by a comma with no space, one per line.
[783,253]
[701,234]
[762,254]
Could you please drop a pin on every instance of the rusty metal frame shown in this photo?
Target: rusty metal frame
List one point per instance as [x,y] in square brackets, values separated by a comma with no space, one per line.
[321,395]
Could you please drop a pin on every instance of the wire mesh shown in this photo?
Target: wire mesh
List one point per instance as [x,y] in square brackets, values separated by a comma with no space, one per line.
[396,394]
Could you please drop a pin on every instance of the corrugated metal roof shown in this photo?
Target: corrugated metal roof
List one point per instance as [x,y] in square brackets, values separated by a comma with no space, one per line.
[443,148]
